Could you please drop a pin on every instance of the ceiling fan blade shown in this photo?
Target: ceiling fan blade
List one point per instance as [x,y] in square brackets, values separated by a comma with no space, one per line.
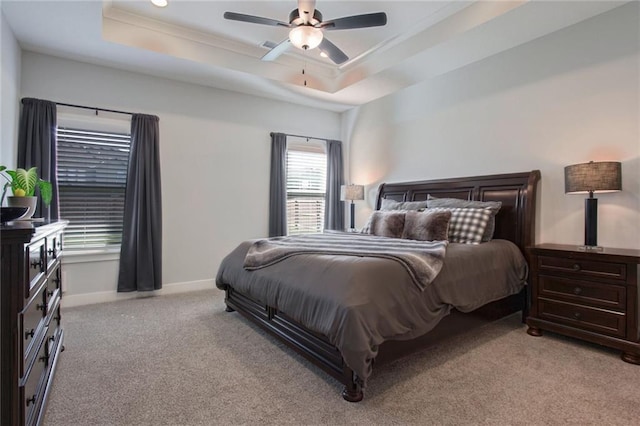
[278,50]
[306,8]
[254,19]
[358,21]
[333,52]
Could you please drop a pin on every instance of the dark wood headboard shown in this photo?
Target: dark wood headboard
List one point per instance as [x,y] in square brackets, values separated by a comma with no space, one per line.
[517,191]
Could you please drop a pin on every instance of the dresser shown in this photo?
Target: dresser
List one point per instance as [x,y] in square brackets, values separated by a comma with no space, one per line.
[30,329]
[590,295]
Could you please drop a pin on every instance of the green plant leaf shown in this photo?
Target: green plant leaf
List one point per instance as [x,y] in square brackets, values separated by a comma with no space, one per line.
[46,191]
[26,180]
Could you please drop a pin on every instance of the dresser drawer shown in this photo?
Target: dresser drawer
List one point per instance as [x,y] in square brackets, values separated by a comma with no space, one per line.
[54,248]
[51,340]
[584,317]
[54,292]
[31,321]
[584,268]
[32,389]
[36,266]
[584,292]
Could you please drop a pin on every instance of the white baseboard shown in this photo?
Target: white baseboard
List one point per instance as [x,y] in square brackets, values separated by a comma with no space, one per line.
[71,300]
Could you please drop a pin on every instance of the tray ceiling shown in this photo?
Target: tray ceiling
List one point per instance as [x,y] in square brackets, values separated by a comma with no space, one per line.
[191,41]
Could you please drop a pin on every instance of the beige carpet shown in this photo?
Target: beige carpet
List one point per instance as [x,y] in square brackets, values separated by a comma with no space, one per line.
[182,360]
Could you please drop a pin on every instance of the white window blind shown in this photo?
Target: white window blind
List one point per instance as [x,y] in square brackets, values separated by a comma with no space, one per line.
[306,189]
[92,177]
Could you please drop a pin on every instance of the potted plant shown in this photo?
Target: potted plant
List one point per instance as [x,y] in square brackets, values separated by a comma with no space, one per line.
[23,184]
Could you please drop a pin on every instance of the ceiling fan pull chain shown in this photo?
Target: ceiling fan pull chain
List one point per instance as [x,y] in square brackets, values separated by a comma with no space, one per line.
[303,73]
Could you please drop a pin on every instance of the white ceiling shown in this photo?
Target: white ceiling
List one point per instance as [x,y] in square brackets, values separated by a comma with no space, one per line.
[191,41]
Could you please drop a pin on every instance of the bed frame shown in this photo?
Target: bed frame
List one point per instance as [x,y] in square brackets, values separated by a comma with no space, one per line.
[515,222]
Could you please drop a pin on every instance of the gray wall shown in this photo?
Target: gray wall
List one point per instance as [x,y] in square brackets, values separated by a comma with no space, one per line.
[214,149]
[565,98]
[10,61]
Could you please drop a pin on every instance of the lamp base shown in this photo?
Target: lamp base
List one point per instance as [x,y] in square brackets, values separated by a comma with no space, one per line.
[591,221]
[353,217]
[591,248]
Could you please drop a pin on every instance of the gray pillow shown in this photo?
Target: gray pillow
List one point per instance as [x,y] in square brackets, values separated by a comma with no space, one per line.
[426,225]
[387,223]
[492,206]
[387,204]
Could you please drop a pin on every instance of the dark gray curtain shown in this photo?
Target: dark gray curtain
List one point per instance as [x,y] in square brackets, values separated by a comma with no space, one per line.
[141,251]
[37,148]
[278,186]
[334,208]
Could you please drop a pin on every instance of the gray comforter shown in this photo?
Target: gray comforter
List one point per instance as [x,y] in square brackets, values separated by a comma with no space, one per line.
[360,302]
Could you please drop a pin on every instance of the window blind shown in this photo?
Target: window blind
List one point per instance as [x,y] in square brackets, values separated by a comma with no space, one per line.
[306,189]
[92,177]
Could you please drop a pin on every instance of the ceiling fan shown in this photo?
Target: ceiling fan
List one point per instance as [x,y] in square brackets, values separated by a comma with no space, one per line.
[307,29]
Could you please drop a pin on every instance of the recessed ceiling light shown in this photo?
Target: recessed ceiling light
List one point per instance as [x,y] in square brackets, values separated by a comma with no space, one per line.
[324,55]
[160,3]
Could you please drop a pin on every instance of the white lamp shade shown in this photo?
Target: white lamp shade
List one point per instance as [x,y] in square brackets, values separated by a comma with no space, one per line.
[305,37]
[351,192]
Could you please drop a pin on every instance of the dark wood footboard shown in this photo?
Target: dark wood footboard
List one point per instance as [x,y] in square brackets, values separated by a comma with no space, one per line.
[317,349]
[313,346]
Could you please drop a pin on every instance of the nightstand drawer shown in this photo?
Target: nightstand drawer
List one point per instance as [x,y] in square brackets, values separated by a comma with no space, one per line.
[584,292]
[579,316]
[581,267]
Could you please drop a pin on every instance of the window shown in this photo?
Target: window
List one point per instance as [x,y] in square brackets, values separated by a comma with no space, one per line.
[306,187]
[92,177]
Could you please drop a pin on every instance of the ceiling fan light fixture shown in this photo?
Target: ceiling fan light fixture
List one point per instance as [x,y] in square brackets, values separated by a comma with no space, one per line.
[160,3]
[305,37]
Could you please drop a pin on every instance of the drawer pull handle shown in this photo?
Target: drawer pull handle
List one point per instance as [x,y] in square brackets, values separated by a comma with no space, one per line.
[576,267]
[36,264]
[51,252]
[52,339]
[41,307]
[31,400]
[577,315]
[50,293]
[577,291]
[43,359]
[29,333]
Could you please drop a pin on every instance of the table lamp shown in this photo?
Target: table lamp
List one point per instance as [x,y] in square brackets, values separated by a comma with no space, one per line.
[603,176]
[351,193]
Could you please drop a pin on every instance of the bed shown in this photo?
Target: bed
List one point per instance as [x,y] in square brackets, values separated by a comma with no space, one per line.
[311,302]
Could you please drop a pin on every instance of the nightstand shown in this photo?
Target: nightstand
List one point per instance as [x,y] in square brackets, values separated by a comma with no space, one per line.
[587,295]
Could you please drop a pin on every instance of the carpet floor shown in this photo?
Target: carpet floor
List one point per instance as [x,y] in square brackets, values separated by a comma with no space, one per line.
[182,360]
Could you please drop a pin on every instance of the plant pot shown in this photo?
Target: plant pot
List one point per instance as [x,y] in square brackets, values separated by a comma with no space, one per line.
[29,202]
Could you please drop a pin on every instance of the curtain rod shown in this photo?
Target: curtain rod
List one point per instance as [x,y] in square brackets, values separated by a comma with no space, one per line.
[94,108]
[300,136]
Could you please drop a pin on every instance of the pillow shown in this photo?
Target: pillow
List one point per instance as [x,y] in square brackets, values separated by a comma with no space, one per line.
[387,223]
[466,225]
[492,206]
[387,204]
[427,225]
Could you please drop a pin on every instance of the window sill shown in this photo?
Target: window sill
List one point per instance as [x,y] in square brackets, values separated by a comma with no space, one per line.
[83,256]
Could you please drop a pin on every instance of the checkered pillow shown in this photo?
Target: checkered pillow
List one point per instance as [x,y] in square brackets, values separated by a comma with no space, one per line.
[467,225]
